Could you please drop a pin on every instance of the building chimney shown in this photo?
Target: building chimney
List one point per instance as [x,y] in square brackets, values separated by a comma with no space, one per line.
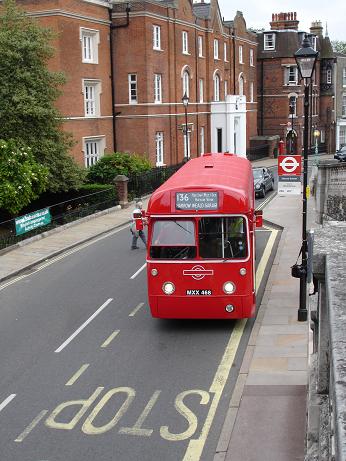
[283,21]
[317,28]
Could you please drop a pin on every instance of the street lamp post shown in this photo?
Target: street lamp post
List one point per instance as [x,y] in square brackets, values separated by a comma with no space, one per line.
[306,58]
[185,100]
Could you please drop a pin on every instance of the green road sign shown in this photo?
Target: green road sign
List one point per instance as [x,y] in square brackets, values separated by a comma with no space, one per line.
[30,221]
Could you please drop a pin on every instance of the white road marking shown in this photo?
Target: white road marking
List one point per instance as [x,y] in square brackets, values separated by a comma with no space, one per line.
[77,375]
[110,338]
[31,426]
[7,401]
[139,270]
[136,309]
[68,340]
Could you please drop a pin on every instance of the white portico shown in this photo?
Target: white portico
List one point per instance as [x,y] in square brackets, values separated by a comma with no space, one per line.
[228,125]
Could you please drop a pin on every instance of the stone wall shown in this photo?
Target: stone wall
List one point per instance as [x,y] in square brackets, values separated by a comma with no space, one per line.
[330,191]
[326,426]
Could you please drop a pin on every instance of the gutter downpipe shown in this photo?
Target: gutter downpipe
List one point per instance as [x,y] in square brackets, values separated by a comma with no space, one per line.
[262,97]
[111,46]
[197,88]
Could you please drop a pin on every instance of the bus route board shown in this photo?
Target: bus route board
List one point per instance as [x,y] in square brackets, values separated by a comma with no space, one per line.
[197,200]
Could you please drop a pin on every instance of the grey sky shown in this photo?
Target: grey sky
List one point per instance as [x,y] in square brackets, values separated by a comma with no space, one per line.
[258,13]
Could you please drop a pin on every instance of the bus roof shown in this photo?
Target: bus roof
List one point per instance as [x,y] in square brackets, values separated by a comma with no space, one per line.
[229,175]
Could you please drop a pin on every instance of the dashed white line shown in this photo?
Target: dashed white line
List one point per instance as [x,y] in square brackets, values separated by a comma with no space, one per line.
[110,338]
[77,374]
[139,270]
[136,309]
[7,401]
[68,340]
[31,426]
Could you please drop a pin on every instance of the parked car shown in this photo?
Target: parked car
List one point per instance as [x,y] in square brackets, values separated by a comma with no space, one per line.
[263,181]
[342,156]
[340,153]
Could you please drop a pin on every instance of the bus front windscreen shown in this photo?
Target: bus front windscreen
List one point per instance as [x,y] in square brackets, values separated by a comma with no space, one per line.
[222,237]
[173,239]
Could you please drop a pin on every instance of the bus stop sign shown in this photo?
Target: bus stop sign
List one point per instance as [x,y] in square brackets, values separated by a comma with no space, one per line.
[289,165]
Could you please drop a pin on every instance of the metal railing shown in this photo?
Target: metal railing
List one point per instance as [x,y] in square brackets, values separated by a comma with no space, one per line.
[258,152]
[145,183]
[61,213]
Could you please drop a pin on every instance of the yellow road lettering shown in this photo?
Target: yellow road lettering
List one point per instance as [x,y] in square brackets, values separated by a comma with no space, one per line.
[85,404]
[89,428]
[137,429]
[187,414]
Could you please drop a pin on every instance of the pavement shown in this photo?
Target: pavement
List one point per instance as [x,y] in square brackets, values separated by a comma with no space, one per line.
[266,417]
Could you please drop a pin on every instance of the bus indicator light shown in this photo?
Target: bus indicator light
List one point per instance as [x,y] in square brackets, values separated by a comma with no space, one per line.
[229,308]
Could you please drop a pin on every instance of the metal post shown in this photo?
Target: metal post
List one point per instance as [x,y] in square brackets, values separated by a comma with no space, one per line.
[302,311]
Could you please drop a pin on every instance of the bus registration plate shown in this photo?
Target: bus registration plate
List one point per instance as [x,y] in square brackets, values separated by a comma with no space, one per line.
[199,292]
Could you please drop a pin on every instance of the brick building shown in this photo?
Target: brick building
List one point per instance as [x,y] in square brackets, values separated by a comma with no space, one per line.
[164,49]
[340,100]
[281,92]
[128,66]
[82,53]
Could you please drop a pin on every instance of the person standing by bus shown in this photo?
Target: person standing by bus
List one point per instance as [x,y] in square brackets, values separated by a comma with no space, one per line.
[137,225]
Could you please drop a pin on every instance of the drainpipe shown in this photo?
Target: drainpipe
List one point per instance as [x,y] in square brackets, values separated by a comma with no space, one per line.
[233,41]
[197,88]
[262,98]
[111,46]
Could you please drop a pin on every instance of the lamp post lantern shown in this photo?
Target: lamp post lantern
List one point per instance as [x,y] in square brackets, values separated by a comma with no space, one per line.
[185,100]
[306,58]
[316,136]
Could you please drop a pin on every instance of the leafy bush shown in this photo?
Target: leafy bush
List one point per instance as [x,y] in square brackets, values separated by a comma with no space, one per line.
[22,179]
[109,166]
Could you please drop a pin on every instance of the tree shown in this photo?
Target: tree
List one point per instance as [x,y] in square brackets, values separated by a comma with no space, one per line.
[28,92]
[22,179]
[339,46]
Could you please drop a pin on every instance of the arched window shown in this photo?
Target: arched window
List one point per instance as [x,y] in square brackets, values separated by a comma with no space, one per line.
[241,85]
[186,83]
[216,87]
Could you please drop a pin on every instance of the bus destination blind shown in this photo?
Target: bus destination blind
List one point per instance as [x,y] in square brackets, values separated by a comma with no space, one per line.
[197,200]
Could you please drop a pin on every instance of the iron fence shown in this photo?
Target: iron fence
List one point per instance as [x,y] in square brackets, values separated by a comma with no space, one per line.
[145,183]
[258,152]
[61,213]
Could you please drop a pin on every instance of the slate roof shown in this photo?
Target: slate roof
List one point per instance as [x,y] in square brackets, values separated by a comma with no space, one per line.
[202,10]
[286,44]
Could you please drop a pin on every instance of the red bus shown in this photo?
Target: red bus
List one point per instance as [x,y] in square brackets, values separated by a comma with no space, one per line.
[201,242]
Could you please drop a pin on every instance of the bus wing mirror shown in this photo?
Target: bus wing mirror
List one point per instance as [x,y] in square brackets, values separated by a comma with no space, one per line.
[259,218]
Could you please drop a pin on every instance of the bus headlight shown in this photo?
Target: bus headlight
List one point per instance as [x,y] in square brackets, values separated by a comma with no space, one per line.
[228,288]
[168,288]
